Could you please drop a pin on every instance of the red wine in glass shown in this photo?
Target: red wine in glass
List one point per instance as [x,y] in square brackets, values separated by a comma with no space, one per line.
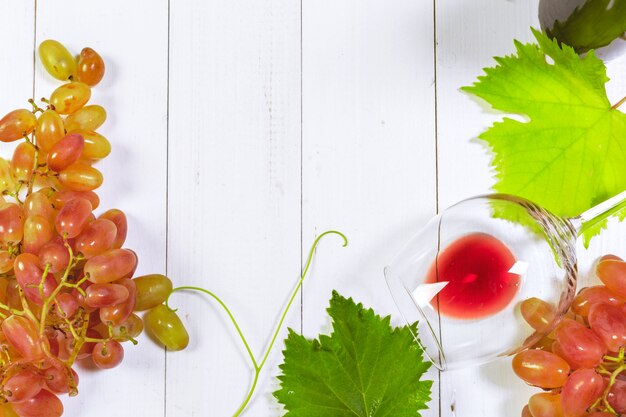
[477,270]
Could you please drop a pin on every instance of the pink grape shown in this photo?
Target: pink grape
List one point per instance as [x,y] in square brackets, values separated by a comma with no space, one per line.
[579,344]
[608,322]
[582,389]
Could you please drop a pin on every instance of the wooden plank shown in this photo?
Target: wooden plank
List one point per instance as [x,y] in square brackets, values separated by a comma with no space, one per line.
[234,192]
[468,36]
[17,23]
[368,145]
[134,92]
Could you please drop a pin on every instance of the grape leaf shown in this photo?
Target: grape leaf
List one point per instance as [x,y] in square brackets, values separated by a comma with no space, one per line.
[592,25]
[363,369]
[571,153]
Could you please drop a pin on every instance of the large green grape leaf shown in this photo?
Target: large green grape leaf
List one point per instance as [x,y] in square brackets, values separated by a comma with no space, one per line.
[363,369]
[594,24]
[570,153]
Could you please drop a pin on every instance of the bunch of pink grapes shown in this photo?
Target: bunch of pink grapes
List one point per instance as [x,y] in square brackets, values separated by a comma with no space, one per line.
[67,292]
[581,365]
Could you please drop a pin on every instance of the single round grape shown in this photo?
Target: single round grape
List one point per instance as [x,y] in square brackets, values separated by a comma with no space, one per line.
[526,412]
[609,323]
[96,145]
[119,218]
[70,97]
[119,313]
[152,290]
[16,124]
[537,313]
[545,404]
[58,379]
[23,386]
[23,336]
[44,404]
[23,161]
[65,152]
[612,273]
[73,217]
[105,295]
[110,266]
[11,223]
[617,396]
[49,130]
[37,232]
[581,390]
[97,238]
[57,60]
[540,368]
[81,177]
[7,182]
[66,305]
[38,204]
[131,327]
[60,198]
[90,67]
[88,118]
[107,355]
[55,255]
[579,344]
[166,327]
[29,275]
[592,295]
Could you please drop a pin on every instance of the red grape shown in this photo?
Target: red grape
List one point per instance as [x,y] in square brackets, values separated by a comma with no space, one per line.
[582,389]
[592,295]
[579,345]
[608,322]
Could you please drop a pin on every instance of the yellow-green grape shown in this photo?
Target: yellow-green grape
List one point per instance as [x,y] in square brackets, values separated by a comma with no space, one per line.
[23,162]
[57,60]
[87,118]
[96,145]
[49,130]
[131,327]
[152,290]
[70,97]
[166,327]
[80,177]
[7,182]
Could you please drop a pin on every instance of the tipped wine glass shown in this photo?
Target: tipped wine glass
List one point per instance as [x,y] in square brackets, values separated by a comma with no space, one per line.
[461,280]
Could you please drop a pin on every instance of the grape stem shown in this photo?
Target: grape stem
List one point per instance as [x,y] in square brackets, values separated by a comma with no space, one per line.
[258,365]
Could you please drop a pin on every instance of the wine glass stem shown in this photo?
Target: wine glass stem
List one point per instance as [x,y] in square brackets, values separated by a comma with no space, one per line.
[599,213]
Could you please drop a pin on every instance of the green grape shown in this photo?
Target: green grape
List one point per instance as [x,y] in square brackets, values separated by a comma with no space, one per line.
[152,290]
[165,325]
[57,60]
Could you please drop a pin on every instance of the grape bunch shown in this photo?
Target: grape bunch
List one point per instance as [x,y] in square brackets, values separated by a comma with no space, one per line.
[581,365]
[67,292]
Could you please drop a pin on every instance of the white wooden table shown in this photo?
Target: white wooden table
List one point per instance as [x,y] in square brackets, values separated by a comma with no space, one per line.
[243,128]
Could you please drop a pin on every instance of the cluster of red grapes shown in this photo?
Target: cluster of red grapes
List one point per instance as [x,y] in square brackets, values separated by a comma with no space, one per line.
[581,365]
[66,287]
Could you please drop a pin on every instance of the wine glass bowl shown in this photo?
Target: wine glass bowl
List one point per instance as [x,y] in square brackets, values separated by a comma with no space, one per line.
[461,280]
